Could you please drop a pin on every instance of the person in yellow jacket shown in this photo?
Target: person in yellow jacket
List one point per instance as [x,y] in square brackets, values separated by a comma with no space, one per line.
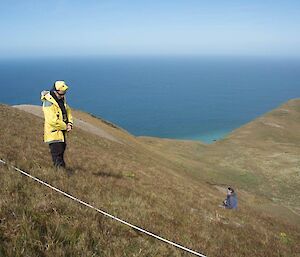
[58,121]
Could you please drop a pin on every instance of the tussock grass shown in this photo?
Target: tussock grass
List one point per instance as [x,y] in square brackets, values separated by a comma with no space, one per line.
[132,181]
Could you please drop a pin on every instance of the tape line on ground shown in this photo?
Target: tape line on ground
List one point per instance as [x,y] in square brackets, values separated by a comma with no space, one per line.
[105,213]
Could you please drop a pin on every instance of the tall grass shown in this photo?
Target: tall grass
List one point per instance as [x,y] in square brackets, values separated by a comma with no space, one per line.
[129,181]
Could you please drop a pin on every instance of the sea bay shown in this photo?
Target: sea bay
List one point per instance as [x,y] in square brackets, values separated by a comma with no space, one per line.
[183,97]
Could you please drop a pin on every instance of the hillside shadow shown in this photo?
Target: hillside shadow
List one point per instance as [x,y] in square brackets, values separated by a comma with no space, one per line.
[107,174]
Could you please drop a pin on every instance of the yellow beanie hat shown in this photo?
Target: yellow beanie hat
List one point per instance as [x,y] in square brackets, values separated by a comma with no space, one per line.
[60,85]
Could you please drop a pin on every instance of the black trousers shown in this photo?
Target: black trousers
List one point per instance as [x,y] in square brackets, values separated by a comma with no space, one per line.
[57,151]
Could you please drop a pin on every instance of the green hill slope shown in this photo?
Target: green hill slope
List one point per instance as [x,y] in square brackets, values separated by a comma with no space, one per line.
[164,186]
[261,158]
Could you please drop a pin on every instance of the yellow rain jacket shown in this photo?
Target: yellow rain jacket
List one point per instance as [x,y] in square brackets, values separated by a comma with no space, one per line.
[55,127]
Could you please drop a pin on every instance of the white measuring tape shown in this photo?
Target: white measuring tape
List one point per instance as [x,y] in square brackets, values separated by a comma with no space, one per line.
[106,214]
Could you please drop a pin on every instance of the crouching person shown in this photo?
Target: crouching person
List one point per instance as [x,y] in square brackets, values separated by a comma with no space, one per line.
[231,200]
[58,121]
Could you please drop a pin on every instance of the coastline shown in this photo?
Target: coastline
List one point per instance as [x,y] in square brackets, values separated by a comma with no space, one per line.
[208,138]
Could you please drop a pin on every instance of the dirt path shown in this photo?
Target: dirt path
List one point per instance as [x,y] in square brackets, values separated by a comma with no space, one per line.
[37,110]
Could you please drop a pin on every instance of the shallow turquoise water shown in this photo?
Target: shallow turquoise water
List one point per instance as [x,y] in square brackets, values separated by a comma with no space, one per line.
[210,136]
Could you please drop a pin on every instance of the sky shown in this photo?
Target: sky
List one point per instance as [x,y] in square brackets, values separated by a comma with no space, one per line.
[149,27]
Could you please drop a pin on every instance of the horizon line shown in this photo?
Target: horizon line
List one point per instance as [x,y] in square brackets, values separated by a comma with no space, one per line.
[155,55]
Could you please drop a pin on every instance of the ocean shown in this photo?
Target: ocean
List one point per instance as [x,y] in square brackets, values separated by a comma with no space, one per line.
[197,98]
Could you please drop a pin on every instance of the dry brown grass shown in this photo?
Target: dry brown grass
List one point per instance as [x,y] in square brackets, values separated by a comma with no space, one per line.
[261,157]
[133,181]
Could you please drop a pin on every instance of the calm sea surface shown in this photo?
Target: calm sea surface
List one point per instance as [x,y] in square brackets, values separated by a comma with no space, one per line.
[200,98]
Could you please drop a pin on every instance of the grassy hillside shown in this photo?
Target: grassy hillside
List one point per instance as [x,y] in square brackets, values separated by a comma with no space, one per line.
[261,157]
[169,187]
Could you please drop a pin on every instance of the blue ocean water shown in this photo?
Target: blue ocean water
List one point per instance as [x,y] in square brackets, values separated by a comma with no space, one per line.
[199,98]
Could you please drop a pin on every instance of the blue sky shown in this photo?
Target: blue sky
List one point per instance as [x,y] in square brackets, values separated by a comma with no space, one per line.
[96,27]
